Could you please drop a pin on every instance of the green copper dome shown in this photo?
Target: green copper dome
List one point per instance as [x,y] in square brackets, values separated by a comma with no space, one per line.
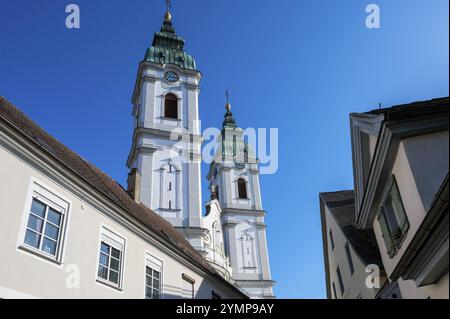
[233,144]
[167,48]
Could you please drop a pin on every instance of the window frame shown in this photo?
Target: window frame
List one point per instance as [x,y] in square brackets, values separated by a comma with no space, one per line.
[334,290]
[393,238]
[330,234]
[340,280]
[52,199]
[113,240]
[155,264]
[349,259]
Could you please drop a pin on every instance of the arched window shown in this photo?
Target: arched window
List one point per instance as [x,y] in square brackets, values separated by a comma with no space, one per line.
[242,188]
[171,106]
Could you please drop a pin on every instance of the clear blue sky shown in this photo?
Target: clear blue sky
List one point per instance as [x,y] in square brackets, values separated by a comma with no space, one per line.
[300,66]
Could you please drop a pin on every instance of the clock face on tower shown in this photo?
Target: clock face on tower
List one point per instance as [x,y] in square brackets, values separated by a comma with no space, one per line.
[171,76]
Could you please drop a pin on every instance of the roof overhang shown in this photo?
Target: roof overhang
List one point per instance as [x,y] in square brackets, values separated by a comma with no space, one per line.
[394,128]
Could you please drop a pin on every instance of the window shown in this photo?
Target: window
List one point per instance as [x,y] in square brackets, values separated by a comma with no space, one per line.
[152,283]
[188,287]
[45,224]
[110,258]
[153,277]
[215,295]
[43,229]
[171,106]
[331,239]
[334,291]
[392,218]
[341,283]
[349,259]
[242,188]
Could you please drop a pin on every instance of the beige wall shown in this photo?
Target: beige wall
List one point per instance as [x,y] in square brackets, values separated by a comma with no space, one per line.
[439,290]
[25,273]
[354,284]
[416,213]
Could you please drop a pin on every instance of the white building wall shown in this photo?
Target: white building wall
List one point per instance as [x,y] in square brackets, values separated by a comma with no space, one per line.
[416,213]
[24,274]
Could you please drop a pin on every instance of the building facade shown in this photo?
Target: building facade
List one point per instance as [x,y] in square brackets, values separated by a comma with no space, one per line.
[70,231]
[400,163]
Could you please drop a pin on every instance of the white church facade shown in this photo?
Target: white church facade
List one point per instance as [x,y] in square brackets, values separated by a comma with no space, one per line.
[165,159]
[69,231]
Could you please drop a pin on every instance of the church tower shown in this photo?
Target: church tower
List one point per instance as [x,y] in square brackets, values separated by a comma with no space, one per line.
[165,156]
[234,182]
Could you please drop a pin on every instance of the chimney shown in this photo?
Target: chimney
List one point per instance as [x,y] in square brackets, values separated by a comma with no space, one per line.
[214,192]
[134,184]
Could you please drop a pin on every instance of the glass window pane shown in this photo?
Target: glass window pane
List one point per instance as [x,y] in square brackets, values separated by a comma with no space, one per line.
[51,231]
[148,280]
[35,223]
[155,274]
[104,260]
[115,253]
[155,283]
[32,239]
[390,214]
[114,264]
[104,248]
[155,294]
[38,208]
[148,293]
[49,246]
[54,217]
[103,272]
[148,271]
[113,276]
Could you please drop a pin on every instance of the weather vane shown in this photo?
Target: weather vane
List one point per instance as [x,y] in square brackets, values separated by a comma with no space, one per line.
[169,5]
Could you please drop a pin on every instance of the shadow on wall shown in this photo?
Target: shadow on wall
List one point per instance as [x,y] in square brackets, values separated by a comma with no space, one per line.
[191,291]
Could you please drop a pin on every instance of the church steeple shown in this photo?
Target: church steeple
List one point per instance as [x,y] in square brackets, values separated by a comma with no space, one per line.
[234,183]
[167,47]
[165,100]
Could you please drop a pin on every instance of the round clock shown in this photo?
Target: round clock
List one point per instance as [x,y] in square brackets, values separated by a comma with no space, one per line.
[171,76]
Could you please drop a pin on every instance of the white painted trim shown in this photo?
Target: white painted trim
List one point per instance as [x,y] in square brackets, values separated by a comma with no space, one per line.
[149,257]
[108,232]
[53,199]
